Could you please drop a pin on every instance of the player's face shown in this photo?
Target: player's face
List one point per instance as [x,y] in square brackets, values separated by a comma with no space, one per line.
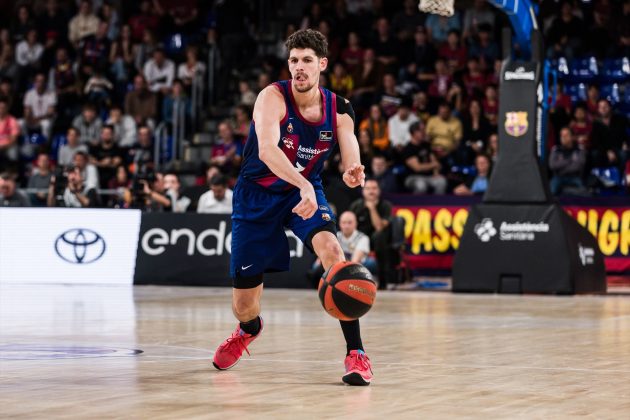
[305,67]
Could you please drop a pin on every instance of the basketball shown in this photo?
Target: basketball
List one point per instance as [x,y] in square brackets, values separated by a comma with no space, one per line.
[347,290]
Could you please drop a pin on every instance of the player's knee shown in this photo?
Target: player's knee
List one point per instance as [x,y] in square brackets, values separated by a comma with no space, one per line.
[243,304]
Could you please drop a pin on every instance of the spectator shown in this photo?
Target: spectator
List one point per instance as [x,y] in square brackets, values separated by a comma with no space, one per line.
[367,78]
[83,24]
[312,19]
[124,127]
[566,161]
[486,50]
[98,88]
[172,187]
[423,53]
[144,51]
[29,52]
[158,197]
[122,55]
[352,55]
[9,131]
[94,49]
[622,29]
[77,194]
[53,22]
[204,180]
[228,153]
[386,46]
[388,98]
[445,132]
[174,103]
[373,215]
[219,199]
[181,18]
[581,127]
[476,130]
[159,72]
[560,113]
[121,183]
[89,172]
[399,124]
[475,17]
[248,97]
[366,150]
[333,45]
[405,21]
[40,179]
[141,153]
[441,80]
[106,156]
[7,93]
[109,14]
[9,197]
[564,33]
[382,175]
[610,137]
[243,124]
[491,105]
[39,107]
[141,104]
[8,67]
[438,26]
[474,79]
[62,81]
[191,68]
[592,100]
[146,19]
[479,183]
[22,24]
[454,52]
[493,147]
[67,152]
[494,77]
[422,169]
[340,82]
[280,47]
[344,22]
[88,124]
[377,125]
[597,40]
[354,244]
[421,106]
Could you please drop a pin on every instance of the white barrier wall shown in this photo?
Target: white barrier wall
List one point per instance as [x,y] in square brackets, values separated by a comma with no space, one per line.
[76,246]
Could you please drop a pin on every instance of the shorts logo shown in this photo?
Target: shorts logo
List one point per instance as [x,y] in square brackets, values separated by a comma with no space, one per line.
[324,208]
[290,128]
[325,135]
[326,217]
[516,123]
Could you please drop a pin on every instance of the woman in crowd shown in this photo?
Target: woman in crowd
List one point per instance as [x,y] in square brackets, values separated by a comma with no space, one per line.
[493,147]
[243,121]
[376,124]
[366,150]
[476,131]
[121,183]
[340,81]
[121,55]
[479,183]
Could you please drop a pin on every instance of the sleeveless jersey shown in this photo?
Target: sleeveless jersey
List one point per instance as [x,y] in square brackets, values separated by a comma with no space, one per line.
[307,144]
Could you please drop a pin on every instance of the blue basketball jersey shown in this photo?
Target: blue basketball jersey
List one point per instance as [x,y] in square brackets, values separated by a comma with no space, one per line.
[307,144]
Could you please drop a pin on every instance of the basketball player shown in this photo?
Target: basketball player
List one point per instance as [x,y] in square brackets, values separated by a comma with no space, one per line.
[296,124]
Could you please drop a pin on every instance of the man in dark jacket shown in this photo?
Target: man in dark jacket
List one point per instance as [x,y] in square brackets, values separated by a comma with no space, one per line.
[610,137]
[566,161]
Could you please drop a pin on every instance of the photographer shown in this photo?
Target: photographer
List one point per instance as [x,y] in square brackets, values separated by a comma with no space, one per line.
[150,194]
[67,190]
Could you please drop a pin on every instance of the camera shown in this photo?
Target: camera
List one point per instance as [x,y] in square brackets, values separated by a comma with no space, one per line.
[61,179]
[138,185]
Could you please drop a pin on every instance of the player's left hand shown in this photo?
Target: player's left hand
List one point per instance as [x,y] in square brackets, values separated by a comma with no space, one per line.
[354,176]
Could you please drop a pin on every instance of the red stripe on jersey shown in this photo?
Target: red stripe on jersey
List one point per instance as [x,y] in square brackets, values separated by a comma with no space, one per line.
[267,180]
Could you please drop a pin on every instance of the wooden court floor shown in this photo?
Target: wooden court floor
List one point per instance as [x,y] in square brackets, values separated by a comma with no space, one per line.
[73,352]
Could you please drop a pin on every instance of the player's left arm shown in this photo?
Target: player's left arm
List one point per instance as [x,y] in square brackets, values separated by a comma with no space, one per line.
[348,145]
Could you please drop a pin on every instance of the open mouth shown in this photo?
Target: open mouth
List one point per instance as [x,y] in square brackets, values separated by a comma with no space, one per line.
[301,78]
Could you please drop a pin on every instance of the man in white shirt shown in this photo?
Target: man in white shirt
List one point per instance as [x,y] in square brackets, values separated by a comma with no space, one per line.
[124,127]
[399,125]
[219,199]
[89,172]
[39,107]
[355,244]
[159,72]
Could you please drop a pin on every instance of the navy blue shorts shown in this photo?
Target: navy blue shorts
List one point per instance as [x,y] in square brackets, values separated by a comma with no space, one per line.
[259,219]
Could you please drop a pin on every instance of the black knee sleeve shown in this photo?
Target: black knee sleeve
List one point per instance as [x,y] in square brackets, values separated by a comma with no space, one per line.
[249,282]
[328,227]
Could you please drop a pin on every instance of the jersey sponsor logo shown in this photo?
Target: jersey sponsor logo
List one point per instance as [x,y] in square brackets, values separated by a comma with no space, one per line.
[308,152]
[516,123]
[290,128]
[325,135]
[288,143]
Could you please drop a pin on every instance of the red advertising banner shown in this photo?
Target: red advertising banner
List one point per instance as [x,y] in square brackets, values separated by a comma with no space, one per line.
[434,225]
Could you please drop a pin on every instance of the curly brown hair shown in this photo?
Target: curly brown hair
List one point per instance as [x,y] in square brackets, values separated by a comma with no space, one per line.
[308,38]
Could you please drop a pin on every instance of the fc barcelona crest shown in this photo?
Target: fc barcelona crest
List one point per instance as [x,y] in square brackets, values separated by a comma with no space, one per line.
[516,123]
[290,128]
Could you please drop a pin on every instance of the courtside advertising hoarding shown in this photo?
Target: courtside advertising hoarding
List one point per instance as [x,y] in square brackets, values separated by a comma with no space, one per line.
[75,246]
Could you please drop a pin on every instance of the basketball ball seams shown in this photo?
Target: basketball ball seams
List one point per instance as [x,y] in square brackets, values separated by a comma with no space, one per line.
[347,290]
[362,290]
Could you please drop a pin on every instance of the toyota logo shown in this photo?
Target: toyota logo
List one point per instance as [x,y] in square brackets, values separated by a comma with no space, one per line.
[80,246]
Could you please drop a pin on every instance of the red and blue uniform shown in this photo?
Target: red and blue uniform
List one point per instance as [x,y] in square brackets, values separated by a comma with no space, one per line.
[263,203]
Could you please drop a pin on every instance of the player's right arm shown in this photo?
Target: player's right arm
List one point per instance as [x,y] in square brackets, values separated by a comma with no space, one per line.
[269,110]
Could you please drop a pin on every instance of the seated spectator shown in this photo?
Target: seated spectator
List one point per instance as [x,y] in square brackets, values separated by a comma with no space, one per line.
[122,55]
[454,52]
[172,186]
[191,68]
[77,194]
[368,78]
[566,161]
[176,101]
[564,34]
[373,215]
[66,153]
[438,26]
[243,124]
[9,196]
[486,50]
[22,23]
[83,24]
[53,23]
[39,108]
[89,172]
[8,94]
[106,156]
[388,98]
[610,137]
[219,199]
[445,132]
[9,69]
[352,55]
[94,49]
[581,127]
[40,179]
[422,52]
[340,82]
[597,39]
[227,154]
[476,132]
[204,180]
[560,113]
[479,183]
[9,131]
[62,81]
[405,21]
[421,106]
[141,103]
[98,88]
[492,151]
[146,19]
[494,77]
[382,175]
[422,169]
[474,79]
[399,124]
[88,124]
[491,105]
[159,72]
[385,45]
[28,54]
[475,17]
[366,150]
[141,153]
[248,97]
[124,127]
[592,99]
[441,80]
[109,14]
[144,51]
[377,125]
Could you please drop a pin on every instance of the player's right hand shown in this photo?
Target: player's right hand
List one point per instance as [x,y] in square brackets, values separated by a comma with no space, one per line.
[307,207]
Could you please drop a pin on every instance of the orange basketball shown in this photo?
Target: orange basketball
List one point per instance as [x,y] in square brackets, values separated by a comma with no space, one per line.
[347,290]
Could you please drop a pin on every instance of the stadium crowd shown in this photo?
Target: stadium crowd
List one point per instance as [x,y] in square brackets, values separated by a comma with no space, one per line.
[84,85]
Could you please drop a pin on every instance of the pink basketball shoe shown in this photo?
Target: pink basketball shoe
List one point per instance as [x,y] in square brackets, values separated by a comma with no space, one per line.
[358,369]
[230,351]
